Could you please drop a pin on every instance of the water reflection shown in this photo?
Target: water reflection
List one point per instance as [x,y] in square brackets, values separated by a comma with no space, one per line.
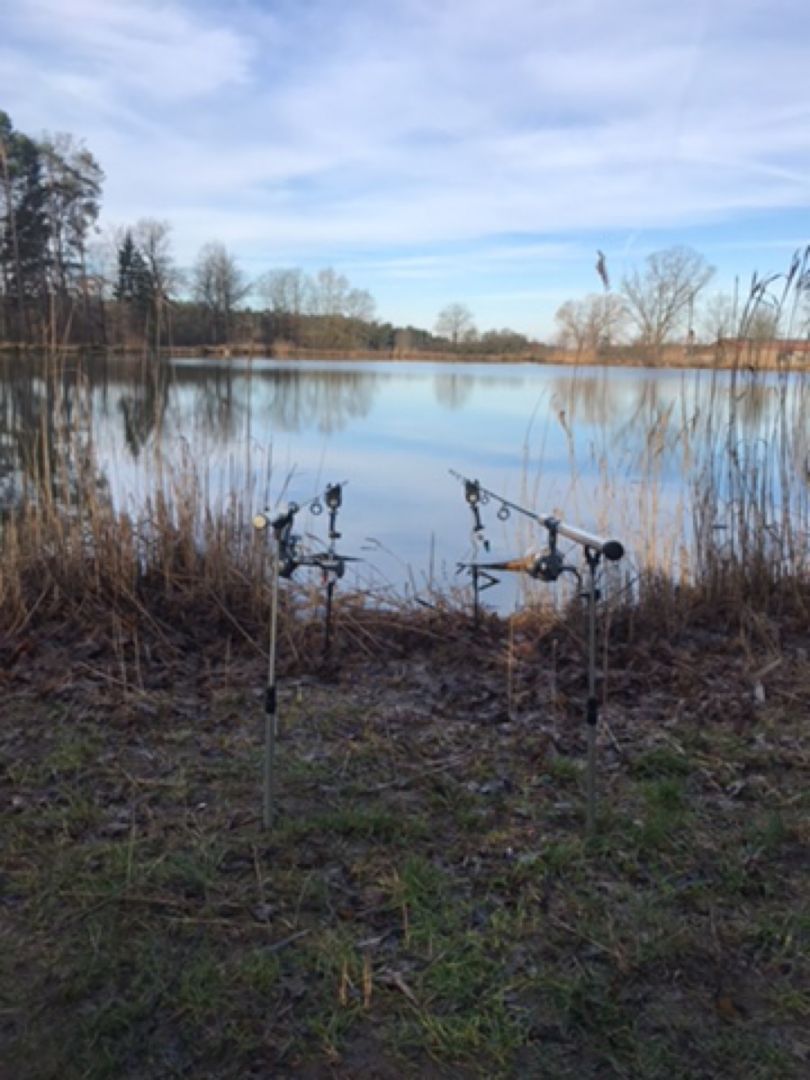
[328,400]
[606,445]
[663,410]
[143,405]
[592,399]
[453,391]
[46,431]
[291,398]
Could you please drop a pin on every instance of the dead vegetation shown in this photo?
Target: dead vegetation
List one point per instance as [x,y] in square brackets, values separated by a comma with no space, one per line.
[427,903]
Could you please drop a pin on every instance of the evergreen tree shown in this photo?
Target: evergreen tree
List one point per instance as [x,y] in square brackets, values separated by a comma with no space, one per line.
[134,287]
[72,178]
[24,231]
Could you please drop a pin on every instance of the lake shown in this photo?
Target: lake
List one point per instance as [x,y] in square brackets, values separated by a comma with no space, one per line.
[616,450]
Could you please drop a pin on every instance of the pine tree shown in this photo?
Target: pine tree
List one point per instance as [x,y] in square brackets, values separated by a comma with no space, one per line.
[24,232]
[135,286]
[72,178]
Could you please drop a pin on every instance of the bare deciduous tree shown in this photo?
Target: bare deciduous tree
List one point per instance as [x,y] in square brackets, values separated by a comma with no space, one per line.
[360,304]
[152,240]
[285,295]
[73,179]
[592,323]
[320,311]
[218,285]
[9,234]
[762,324]
[662,297]
[454,322]
[330,292]
[718,317]
[283,291]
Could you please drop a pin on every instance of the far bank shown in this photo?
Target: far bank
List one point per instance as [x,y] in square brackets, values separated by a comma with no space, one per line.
[724,355]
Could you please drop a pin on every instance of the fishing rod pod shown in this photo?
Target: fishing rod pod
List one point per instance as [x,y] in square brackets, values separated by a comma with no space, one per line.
[290,548]
[548,566]
[288,556]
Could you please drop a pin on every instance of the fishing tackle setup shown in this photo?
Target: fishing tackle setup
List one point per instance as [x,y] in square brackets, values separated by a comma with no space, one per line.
[289,555]
[547,566]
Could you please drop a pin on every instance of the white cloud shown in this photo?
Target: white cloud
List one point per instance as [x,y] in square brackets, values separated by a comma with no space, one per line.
[354,129]
[160,51]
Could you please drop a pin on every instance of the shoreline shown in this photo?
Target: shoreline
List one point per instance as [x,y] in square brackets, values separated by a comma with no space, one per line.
[723,357]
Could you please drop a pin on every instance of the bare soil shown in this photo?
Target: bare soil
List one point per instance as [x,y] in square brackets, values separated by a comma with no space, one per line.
[427,903]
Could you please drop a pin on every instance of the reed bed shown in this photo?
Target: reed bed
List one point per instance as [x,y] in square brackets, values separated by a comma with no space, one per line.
[738,544]
[181,570]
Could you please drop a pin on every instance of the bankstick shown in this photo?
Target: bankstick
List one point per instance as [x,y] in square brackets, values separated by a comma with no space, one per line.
[287,555]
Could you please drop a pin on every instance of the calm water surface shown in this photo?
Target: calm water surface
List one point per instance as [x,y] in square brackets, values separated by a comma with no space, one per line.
[611,449]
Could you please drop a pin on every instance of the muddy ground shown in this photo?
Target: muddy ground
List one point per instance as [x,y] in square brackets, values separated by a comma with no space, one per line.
[427,903]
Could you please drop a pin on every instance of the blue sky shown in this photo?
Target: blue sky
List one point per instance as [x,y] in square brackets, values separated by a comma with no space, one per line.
[436,150]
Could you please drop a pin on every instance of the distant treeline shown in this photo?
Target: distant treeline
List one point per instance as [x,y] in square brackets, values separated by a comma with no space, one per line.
[62,283]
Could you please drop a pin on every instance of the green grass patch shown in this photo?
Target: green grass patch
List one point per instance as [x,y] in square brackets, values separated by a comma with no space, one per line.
[417,909]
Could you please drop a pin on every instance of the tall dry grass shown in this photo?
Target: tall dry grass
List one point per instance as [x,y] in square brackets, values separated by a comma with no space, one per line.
[69,556]
[751,497]
[183,568]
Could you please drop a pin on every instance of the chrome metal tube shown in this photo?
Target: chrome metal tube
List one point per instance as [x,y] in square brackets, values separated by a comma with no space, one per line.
[599,545]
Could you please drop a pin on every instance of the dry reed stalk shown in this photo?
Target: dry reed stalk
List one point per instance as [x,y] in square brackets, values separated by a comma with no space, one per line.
[66,549]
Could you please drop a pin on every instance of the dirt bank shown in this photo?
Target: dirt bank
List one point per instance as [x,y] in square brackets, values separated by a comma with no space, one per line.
[427,904]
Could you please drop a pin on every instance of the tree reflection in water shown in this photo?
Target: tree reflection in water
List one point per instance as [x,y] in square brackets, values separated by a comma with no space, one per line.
[621,442]
[327,400]
[46,431]
[290,399]
[662,410]
[453,391]
[143,408]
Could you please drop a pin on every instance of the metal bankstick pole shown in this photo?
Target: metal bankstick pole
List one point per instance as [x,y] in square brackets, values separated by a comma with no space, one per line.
[271,701]
[327,634]
[592,704]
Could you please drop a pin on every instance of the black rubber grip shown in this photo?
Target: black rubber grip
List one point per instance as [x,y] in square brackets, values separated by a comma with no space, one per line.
[270,701]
